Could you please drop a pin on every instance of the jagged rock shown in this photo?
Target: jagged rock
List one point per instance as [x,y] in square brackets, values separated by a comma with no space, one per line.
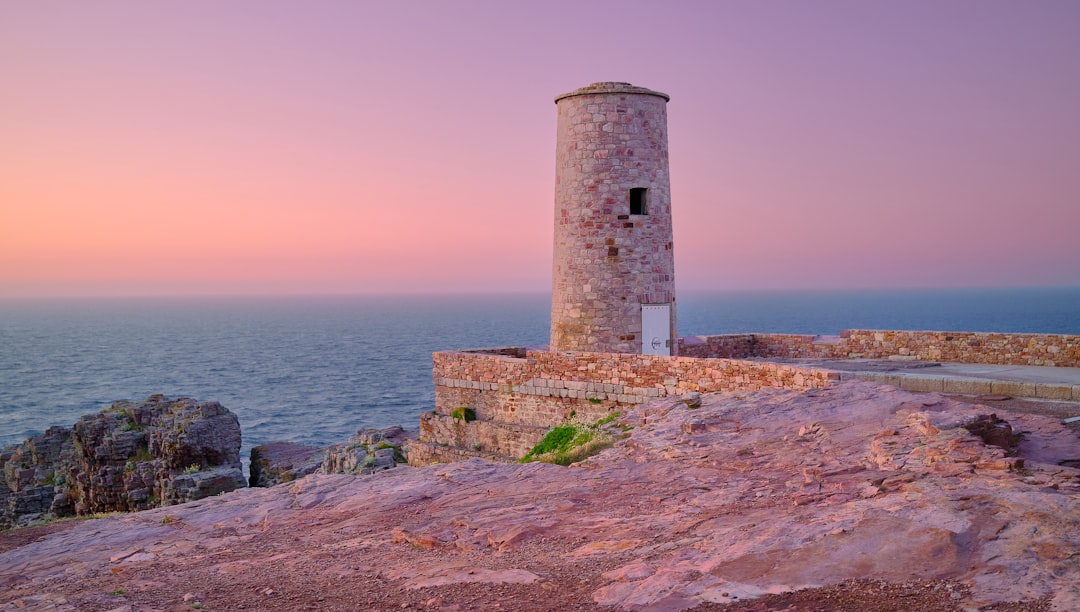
[369,451]
[31,484]
[130,456]
[995,432]
[278,462]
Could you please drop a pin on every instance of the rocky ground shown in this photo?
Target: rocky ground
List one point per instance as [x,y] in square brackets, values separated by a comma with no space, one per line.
[856,497]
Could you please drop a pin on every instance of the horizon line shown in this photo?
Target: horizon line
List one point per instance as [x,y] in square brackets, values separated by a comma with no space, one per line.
[481,292]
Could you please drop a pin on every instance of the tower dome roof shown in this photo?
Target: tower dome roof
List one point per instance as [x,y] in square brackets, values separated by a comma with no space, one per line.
[610,87]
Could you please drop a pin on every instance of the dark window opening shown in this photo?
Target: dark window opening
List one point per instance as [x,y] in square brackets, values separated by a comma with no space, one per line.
[638,204]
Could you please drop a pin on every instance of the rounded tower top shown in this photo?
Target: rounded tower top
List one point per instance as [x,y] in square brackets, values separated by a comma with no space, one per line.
[612,87]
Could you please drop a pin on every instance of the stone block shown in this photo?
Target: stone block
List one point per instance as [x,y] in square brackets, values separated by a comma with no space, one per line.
[923,383]
[1012,388]
[878,377]
[967,386]
[1055,392]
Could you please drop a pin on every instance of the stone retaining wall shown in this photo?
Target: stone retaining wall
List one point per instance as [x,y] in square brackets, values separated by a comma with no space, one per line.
[957,347]
[516,394]
[516,399]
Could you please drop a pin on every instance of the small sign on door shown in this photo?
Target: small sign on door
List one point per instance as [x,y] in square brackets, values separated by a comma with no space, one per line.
[656,329]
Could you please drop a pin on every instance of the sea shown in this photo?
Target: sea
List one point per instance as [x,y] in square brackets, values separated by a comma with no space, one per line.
[316,369]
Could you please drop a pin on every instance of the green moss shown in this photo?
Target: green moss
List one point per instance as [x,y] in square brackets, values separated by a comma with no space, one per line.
[142,454]
[130,424]
[463,413]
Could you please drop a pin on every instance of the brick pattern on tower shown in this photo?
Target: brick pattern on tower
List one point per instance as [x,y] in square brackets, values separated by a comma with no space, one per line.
[612,138]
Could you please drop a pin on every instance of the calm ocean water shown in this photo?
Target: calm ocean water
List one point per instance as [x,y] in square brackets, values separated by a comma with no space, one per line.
[315,369]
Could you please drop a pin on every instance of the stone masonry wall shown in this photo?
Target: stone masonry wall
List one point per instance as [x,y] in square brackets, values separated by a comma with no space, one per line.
[958,347]
[516,400]
[607,262]
[518,394]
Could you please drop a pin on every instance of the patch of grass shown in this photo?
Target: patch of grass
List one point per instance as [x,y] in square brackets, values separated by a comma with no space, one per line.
[118,592]
[571,443]
[609,418]
[595,400]
[559,438]
[194,468]
[463,413]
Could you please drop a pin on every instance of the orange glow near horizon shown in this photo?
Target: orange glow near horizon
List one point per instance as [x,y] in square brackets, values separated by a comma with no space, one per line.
[358,148]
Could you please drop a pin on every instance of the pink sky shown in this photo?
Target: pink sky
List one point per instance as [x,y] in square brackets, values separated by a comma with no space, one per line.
[345,147]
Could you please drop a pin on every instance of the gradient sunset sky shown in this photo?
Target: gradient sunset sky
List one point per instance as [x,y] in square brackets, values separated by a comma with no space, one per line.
[210,147]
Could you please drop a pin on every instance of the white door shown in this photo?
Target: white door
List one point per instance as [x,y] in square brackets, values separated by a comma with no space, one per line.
[656,329]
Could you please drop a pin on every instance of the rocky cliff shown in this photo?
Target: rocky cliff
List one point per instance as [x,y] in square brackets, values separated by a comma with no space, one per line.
[130,456]
[855,497]
[367,452]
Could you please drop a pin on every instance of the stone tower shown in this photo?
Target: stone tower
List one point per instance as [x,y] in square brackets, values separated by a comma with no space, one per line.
[613,278]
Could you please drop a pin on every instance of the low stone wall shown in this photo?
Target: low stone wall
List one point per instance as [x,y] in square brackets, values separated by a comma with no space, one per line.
[515,399]
[1057,350]
[516,394]
[487,436]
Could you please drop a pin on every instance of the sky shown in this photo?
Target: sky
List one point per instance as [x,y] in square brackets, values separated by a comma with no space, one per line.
[243,147]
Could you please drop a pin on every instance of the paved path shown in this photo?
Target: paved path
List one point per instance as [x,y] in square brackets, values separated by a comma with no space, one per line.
[1062,384]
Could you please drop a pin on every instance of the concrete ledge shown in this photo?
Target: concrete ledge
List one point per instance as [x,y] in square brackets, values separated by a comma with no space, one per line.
[923,384]
[885,379]
[1013,388]
[968,386]
[1055,392]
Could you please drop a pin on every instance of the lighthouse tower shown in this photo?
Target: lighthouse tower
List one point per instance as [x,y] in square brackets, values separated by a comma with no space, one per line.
[613,276]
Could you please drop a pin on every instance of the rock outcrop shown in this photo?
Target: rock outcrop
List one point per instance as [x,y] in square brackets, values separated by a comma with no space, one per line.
[277,462]
[367,452]
[879,495]
[130,456]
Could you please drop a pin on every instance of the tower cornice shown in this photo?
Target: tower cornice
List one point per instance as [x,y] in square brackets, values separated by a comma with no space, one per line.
[612,87]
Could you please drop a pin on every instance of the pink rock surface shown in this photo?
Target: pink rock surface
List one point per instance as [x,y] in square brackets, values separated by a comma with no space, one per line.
[751,493]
